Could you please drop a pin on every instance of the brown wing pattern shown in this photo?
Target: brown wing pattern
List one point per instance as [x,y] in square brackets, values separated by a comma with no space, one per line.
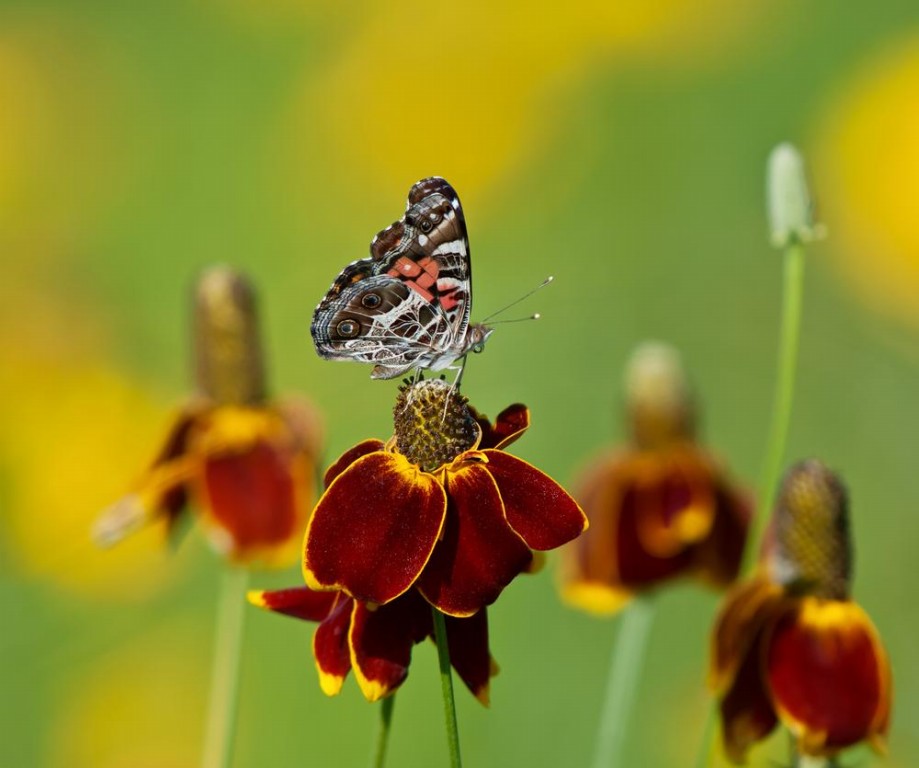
[408,305]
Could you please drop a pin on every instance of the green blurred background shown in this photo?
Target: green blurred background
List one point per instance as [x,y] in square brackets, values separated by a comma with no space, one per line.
[620,147]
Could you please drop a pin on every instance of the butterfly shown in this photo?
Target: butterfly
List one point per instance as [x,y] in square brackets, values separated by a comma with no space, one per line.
[407,306]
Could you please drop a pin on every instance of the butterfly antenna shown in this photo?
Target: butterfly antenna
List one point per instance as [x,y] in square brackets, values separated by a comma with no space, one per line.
[534,316]
[514,303]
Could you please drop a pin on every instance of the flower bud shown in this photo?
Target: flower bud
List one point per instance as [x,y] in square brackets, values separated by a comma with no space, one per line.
[228,353]
[813,553]
[658,398]
[790,208]
[433,424]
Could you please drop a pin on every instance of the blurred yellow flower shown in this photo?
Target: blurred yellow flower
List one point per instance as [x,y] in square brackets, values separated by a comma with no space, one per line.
[472,90]
[72,432]
[867,168]
[140,706]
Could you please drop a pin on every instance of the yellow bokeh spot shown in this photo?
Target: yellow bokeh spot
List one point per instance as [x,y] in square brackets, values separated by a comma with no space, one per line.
[76,434]
[471,91]
[126,712]
[867,168]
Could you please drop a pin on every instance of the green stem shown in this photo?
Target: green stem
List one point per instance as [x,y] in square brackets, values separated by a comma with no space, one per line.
[622,683]
[792,301]
[446,685]
[704,758]
[221,717]
[789,335]
[386,707]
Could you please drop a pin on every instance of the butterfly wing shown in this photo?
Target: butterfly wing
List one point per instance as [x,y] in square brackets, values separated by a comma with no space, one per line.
[408,305]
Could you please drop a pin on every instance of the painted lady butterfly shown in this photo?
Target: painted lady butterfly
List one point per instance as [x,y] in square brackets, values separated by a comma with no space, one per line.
[407,306]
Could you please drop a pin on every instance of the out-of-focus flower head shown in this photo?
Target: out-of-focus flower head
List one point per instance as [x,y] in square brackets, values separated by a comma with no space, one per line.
[790,645]
[440,516]
[659,507]
[244,463]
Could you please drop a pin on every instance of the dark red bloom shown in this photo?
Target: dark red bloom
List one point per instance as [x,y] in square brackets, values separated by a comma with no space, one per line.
[660,507]
[441,507]
[247,465]
[376,642]
[790,645]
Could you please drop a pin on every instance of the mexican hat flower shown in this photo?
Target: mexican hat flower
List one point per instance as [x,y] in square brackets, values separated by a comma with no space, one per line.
[243,462]
[791,645]
[441,507]
[660,507]
[440,515]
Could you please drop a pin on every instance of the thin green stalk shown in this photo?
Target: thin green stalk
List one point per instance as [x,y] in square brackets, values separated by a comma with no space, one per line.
[789,335]
[221,717]
[622,683]
[386,707]
[446,685]
[704,758]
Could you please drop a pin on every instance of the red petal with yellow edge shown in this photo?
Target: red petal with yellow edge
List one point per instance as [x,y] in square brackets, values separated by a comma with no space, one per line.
[330,646]
[635,566]
[381,642]
[299,602]
[743,615]
[676,508]
[717,559]
[479,554]
[829,675]
[467,640]
[747,715]
[537,507]
[511,423]
[349,457]
[374,528]
[173,499]
[251,498]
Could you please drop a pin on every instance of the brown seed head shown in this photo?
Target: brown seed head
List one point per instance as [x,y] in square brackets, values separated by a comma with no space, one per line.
[813,553]
[228,352]
[433,424]
[658,398]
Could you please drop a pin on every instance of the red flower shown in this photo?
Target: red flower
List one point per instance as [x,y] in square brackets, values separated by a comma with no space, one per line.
[247,465]
[790,645]
[441,507]
[377,641]
[660,507]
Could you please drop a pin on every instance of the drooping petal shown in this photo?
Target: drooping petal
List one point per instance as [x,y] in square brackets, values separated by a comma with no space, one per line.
[743,615]
[250,500]
[479,554]
[467,639]
[637,568]
[374,528]
[173,500]
[299,602]
[828,675]
[331,648]
[381,641]
[747,715]
[349,457]
[675,499]
[717,558]
[511,423]
[537,507]
[161,492]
